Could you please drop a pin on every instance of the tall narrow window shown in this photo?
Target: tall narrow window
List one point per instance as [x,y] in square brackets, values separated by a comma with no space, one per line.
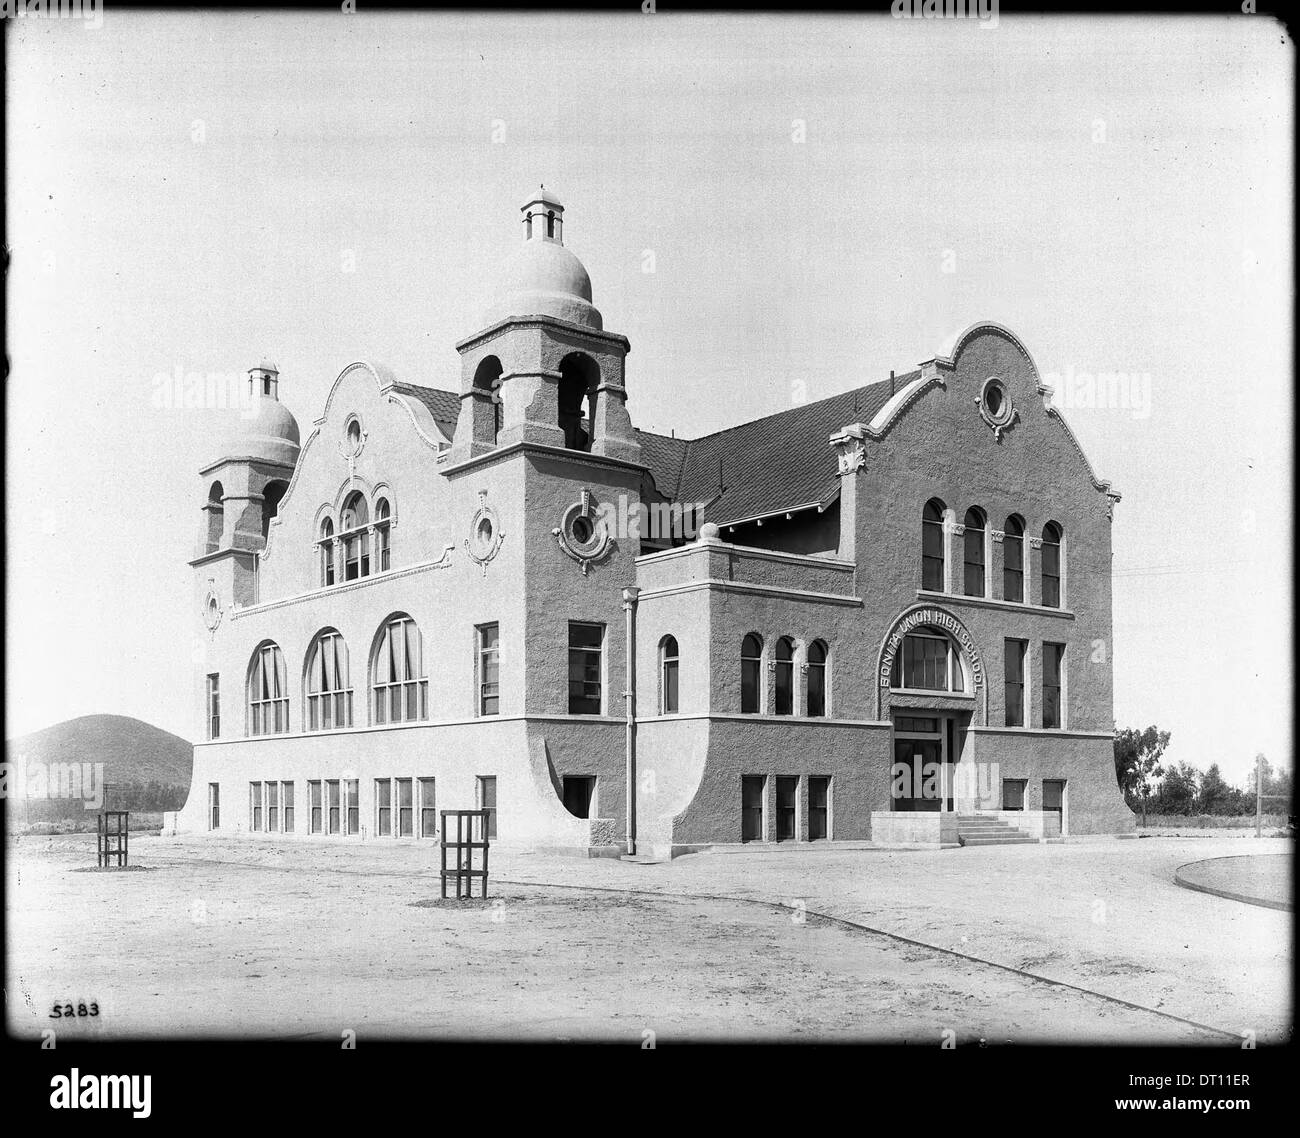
[1053,658]
[428,809]
[787,809]
[272,807]
[326,546]
[751,675]
[332,818]
[486,796]
[1014,678]
[489,669]
[286,798]
[668,662]
[383,523]
[401,690]
[353,790]
[932,574]
[973,545]
[329,684]
[816,679]
[550,223]
[315,810]
[214,806]
[255,806]
[268,693]
[384,807]
[819,808]
[405,808]
[355,537]
[214,706]
[1013,560]
[1052,565]
[784,688]
[585,668]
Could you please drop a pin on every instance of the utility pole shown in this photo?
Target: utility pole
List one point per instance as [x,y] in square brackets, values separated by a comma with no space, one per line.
[1259,795]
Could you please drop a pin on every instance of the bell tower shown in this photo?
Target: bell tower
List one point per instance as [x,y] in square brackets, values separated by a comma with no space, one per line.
[544,370]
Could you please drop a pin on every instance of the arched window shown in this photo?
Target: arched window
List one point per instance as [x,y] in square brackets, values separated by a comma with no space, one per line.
[927,660]
[400,686]
[355,535]
[487,377]
[668,676]
[216,512]
[272,492]
[974,553]
[329,683]
[1052,565]
[383,522]
[550,223]
[579,378]
[751,673]
[268,692]
[784,676]
[932,573]
[816,679]
[1013,560]
[326,545]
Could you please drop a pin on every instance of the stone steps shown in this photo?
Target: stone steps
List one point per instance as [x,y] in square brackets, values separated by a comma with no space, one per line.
[986,830]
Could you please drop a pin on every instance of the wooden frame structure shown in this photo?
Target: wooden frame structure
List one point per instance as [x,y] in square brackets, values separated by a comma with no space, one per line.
[112,842]
[463,871]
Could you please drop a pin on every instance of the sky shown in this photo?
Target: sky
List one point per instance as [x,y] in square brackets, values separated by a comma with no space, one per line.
[772,208]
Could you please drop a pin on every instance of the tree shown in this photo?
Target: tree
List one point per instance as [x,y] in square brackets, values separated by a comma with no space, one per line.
[1137,762]
[1178,790]
[1215,795]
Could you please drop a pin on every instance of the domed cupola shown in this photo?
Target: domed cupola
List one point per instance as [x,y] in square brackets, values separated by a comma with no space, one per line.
[264,430]
[542,277]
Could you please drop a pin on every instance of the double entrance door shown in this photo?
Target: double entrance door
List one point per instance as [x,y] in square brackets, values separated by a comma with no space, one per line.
[921,778]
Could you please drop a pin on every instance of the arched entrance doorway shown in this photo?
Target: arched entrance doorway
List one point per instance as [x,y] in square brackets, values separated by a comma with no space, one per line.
[930,686]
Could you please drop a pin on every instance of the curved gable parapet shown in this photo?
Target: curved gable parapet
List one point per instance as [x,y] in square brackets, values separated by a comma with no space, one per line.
[383,377]
[905,398]
[426,426]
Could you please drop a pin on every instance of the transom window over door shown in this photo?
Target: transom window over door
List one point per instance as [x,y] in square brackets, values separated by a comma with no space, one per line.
[973,547]
[927,660]
[932,559]
[400,687]
[268,693]
[329,684]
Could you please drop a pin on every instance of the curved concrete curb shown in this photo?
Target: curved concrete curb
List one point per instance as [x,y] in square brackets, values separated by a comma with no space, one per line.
[1228,894]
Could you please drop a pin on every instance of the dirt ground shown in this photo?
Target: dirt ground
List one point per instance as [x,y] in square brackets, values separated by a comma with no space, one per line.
[309,940]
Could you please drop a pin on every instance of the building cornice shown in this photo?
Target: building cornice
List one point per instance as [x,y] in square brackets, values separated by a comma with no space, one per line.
[721,586]
[992,603]
[578,457]
[588,333]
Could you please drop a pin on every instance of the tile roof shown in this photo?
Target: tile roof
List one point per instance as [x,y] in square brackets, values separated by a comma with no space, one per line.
[444,406]
[767,465]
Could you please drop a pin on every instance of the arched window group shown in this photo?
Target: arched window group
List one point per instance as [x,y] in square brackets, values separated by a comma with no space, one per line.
[975,576]
[784,666]
[399,684]
[358,545]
